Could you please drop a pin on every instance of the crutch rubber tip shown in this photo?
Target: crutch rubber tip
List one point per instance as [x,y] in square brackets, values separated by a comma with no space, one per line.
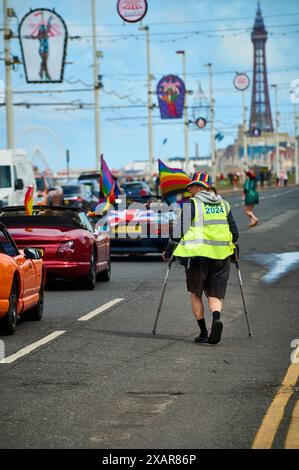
[153,332]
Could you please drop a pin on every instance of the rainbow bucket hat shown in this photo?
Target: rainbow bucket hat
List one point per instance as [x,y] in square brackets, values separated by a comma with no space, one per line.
[202,179]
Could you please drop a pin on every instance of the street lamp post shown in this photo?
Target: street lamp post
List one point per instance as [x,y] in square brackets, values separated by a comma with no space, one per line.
[212,113]
[277,156]
[149,100]
[186,120]
[244,131]
[8,84]
[296,145]
[96,70]
[68,164]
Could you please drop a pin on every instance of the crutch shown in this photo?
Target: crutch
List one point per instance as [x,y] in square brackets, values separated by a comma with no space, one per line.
[236,258]
[162,295]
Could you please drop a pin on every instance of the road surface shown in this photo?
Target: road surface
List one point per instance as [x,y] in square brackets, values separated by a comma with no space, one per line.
[91,374]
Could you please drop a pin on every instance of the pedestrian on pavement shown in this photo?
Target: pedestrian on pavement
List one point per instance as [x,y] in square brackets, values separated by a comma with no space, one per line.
[207,233]
[157,184]
[282,175]
[251,197]
[230,178]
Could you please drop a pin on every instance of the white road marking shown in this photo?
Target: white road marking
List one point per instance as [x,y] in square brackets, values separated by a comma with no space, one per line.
[276,221]
[31,347]
[99,310]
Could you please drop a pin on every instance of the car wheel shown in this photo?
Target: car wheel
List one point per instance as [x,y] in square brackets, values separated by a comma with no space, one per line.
[89,281]
[36,313]
[9,322]
[105,276]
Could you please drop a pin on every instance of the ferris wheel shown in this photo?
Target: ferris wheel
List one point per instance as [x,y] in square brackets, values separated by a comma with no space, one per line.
[43,145]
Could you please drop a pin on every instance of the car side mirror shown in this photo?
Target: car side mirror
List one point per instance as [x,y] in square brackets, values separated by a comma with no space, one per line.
[32,253]
[19,184]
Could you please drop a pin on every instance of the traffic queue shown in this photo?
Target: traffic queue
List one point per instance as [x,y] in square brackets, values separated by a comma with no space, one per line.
[43,242]
[53,237]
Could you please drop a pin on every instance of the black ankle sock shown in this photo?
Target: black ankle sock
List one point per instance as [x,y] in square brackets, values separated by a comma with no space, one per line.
[202,326]
[216,315]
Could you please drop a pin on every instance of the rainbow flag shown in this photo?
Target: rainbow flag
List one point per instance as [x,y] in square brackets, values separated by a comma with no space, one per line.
[107,181]
[172,180]
[28,200]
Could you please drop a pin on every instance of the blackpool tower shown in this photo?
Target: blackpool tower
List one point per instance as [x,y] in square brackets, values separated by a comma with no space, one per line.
[260,116]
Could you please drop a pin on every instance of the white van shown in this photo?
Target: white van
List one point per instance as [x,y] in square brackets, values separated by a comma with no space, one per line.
[16,174]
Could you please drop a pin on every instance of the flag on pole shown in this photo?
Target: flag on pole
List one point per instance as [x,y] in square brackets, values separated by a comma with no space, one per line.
[107,182]
[172,180]
[28,201]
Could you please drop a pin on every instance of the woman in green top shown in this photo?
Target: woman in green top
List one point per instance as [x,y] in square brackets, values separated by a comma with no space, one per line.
[251,197]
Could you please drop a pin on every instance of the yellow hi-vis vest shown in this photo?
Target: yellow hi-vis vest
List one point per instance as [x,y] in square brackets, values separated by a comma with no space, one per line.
[209,235]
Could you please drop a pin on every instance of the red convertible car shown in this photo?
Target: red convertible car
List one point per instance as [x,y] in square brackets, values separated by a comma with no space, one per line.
[71,248]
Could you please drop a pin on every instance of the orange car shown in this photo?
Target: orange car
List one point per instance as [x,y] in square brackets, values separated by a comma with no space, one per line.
[21,283]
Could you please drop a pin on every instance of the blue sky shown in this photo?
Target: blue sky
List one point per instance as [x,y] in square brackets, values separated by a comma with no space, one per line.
[188,26]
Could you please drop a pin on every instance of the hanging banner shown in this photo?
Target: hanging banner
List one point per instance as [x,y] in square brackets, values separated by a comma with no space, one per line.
[43,41]
[171,95]
[132,10]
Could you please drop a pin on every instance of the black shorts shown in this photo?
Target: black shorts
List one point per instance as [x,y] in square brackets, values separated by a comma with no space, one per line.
[209,276]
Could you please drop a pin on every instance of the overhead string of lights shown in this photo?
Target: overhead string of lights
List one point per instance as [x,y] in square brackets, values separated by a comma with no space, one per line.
[184,35]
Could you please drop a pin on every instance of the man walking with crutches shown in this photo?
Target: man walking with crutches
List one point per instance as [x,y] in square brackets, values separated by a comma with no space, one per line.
[204,248]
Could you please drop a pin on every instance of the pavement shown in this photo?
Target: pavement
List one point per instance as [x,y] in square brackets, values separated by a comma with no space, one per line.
[104,381]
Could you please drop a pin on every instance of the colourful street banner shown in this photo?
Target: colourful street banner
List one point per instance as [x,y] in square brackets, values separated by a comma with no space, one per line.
[43,40]
[107,182]
[172,180]
[171,95]
[28,200]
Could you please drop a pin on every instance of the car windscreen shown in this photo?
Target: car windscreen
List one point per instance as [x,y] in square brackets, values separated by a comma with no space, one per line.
[89,177]
[68,190]
[5,176]
[40,184]
[31,221]
[133,187]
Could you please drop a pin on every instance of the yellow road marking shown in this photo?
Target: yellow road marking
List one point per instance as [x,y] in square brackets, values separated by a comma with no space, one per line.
[270,424]
[292,440]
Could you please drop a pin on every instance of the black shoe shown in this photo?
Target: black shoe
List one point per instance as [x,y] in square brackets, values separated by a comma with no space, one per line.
[202,338]
[215,335]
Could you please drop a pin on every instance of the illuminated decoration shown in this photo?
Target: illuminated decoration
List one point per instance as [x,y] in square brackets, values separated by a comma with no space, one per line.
[132,10]
[43,40]
[201,122]
[171,95]
[241,81]
[255,132]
